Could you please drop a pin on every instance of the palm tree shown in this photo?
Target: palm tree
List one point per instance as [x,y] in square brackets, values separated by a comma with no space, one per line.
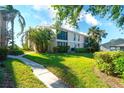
[96,33]
[13,13]
[39,38]
[95,37]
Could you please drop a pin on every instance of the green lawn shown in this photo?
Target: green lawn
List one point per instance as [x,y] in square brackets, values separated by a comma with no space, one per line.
[75,69]
[22,75]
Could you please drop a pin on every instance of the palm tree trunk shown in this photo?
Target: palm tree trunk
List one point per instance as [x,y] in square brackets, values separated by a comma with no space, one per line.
[12,25]
[3,39]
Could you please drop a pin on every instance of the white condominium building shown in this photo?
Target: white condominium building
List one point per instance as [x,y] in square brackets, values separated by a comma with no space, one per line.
[74,39]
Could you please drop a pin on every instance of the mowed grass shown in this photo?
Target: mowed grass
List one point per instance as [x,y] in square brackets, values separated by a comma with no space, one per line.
[74,69]
[22,76]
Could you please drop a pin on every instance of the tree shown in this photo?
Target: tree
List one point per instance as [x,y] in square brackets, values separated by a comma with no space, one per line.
[69,13]
[39,38]
[72,13]
[13,14]
[95,35]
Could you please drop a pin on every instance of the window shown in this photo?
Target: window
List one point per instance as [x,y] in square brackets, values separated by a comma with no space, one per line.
[78,45]
[58,43]
[62,44]
[79,38]
[62,35]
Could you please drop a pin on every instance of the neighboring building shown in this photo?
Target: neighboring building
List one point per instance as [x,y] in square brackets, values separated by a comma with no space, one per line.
[113,48]
[114,44]
[117,47]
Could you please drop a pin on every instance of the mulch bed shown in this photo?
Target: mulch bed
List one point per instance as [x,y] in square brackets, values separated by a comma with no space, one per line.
[113,82]
[7,81]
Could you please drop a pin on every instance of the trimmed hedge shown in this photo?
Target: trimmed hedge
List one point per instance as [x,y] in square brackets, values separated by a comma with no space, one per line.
[3,53]
[119,65]
[61,49]
[108,61]
[81,50]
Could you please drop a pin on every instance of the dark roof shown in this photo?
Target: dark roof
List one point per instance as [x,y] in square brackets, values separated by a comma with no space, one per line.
[121,45]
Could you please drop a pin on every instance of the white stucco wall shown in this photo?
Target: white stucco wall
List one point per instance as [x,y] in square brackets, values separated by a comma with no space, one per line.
[70,36]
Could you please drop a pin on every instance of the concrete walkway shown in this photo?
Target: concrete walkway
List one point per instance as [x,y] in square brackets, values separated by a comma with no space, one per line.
[48,78]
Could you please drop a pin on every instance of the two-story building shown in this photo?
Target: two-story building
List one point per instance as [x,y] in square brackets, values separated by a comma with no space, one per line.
[73,39]
[65,37]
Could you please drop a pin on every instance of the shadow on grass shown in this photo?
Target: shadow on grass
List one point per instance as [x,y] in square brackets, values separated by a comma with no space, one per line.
[88,55]
[22,75]
[1,76]
[54,63]
[9,67]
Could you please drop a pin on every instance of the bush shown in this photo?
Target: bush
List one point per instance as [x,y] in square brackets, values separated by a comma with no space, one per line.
[3,54]
[119,65]
[55,49]
[61,49]
[81,50]
[105,61]
[72,49]
[15,47]
[15,52]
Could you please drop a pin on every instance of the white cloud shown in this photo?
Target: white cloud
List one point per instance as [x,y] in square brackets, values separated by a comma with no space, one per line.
[38,17]
[49,9]
[39,7]
[89,19]
[110,23]
[45,23]
[52,12]
[105,23]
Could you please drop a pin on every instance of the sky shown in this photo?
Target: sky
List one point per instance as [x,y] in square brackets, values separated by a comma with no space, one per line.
[44,15]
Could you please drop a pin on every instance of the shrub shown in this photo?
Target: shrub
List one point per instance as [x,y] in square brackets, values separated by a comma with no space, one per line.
[81,50]
[119,65]
[55,49]
[3,53]
[105,61]
[61,49]
[15,47]
[72,49]
[15,52]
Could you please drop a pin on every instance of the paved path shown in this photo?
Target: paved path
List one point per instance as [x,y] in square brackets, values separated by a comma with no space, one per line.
[48,78]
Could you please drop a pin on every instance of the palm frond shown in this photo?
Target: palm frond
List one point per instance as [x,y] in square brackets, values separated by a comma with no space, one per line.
[21,22]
